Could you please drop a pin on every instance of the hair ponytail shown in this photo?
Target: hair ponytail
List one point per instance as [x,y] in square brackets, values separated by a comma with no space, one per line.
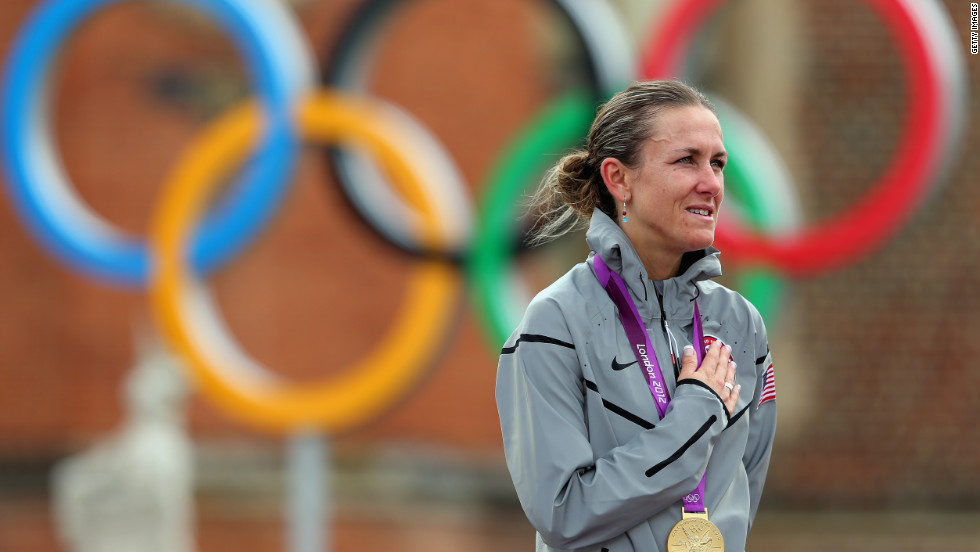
[568,194]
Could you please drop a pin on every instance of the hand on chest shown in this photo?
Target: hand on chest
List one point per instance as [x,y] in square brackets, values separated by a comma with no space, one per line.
[623,369]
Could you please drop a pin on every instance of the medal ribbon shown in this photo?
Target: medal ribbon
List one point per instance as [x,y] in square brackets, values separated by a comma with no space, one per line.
[636,333]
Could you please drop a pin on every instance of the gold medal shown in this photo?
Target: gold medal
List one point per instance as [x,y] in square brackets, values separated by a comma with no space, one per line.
[694,533]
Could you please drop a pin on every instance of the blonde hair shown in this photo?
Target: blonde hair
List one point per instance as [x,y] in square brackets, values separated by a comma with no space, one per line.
[573,188]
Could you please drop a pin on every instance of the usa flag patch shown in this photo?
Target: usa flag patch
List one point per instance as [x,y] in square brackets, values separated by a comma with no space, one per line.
[768,387]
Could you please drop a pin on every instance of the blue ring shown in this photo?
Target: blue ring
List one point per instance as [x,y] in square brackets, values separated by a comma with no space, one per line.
[281,69]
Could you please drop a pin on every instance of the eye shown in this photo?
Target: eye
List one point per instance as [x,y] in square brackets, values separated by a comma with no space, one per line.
[686,160]
[719,163]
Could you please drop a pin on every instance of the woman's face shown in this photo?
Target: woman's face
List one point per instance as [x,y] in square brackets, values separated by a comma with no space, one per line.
[677,187]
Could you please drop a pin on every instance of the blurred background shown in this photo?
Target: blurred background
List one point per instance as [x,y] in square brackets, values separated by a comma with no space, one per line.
[877,360]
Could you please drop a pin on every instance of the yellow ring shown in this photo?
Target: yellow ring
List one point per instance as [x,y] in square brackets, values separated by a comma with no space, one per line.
[182,305]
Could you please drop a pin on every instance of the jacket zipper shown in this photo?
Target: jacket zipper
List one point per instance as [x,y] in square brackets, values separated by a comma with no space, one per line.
[667,335]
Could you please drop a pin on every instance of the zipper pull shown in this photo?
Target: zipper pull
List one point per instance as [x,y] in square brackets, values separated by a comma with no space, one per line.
[670,345]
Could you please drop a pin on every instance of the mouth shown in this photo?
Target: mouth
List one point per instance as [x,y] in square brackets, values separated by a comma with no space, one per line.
[701,211]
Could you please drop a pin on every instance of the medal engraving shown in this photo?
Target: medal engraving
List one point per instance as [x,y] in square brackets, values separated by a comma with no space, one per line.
[695,534]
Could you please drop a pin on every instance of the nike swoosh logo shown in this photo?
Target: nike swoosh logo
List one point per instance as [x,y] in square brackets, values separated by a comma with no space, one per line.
[619,366]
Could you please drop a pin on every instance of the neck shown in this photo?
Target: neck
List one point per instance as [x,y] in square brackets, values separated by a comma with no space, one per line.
[661,264]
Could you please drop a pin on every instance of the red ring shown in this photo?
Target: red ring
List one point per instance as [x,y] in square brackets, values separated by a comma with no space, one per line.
[883,209]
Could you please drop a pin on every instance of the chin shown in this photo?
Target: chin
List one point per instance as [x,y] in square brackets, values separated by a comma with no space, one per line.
[701,242]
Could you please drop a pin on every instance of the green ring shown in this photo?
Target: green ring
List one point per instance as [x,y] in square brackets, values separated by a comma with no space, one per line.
[557,128]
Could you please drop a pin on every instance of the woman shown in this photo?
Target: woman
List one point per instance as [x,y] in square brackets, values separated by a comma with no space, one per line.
[612,435]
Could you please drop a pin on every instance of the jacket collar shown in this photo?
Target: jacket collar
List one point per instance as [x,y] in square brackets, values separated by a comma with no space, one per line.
[607,239]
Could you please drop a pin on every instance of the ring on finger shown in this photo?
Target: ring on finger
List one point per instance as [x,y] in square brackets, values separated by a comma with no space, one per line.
[729,386]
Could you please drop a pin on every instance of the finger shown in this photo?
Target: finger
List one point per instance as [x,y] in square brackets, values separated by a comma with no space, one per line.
[728,384]
[689,361]
[710,362]
[732,370]
[719,365]
[725,356]
[724,364]
[732,399]
[727,391]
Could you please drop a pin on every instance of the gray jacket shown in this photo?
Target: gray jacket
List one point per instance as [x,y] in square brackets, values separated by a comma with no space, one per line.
[593,465]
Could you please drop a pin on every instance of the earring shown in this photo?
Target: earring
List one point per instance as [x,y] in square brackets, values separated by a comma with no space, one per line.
[624,213]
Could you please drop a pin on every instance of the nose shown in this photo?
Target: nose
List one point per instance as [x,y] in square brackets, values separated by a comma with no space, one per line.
[711,182]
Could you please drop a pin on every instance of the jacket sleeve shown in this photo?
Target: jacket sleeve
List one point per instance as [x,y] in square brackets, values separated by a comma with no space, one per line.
[762,418]
[573,498]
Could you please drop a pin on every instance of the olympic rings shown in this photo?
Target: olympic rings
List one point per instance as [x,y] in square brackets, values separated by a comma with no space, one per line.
[281,69]
[936,104]
[269,38]
[184,310]
[610,62]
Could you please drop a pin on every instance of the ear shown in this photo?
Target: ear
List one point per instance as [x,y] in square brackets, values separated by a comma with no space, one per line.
[614,176]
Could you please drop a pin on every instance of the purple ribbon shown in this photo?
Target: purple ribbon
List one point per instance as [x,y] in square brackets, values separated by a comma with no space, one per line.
[636,333]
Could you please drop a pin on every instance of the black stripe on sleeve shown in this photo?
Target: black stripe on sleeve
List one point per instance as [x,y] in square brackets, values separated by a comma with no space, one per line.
[616,409]
[535,338]
[627,414]
[690,442]
[699,383]
[762,359]
[735,418]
